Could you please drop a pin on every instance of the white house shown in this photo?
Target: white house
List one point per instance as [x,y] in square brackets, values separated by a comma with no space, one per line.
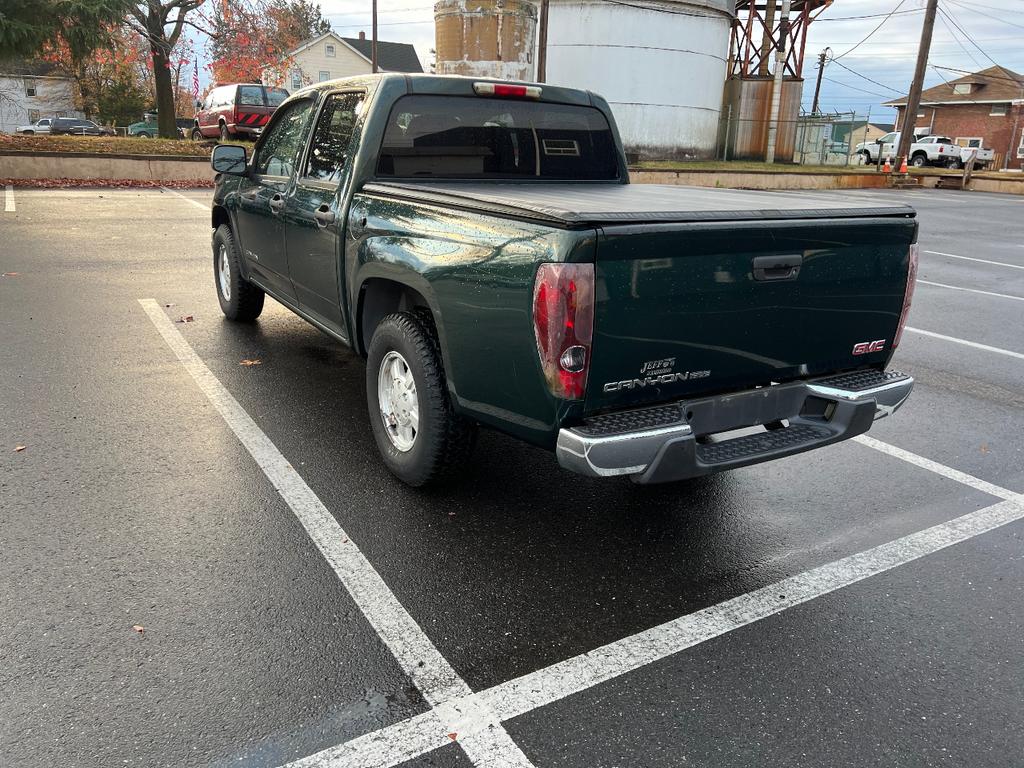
[330,56]
[28,92]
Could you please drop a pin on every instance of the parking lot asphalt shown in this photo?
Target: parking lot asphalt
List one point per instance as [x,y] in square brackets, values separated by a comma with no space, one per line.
[857,605]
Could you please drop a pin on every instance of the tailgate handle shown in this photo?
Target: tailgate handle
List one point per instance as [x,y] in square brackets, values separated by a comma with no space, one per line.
[784,267]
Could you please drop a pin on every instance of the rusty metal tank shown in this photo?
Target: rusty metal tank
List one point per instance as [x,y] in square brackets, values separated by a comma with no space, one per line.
[486,38]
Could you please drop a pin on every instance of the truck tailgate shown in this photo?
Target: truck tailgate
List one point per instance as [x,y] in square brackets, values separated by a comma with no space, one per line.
[691,308]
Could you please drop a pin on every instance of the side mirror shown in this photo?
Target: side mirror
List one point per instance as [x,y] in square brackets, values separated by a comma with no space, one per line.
[878,141]
[230,159]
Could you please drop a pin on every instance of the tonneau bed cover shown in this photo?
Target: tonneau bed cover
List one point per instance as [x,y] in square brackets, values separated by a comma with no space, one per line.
[579,204]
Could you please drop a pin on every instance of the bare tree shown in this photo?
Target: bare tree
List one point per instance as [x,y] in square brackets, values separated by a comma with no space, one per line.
[161,22]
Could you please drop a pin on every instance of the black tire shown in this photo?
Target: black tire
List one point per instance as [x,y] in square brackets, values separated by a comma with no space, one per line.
[143,135]
[224,134]
[443,440]
[197,135]
[954,164]
[244,301]
[919,161]
[866,157]
[29,133]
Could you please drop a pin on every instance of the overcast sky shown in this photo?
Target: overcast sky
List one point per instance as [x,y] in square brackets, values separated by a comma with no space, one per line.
[887,58]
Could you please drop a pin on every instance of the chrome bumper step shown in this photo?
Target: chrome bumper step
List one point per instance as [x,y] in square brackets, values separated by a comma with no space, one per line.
[660,443]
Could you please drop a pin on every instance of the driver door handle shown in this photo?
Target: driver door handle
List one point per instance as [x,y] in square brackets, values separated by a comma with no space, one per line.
[277,203]
[324,216]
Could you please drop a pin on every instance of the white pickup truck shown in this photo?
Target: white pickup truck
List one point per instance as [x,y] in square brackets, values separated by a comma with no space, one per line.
[927,150]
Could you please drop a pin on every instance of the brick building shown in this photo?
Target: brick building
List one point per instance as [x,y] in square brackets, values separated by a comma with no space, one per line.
[984,109]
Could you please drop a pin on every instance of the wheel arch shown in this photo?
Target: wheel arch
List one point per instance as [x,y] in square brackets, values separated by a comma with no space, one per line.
[379,296]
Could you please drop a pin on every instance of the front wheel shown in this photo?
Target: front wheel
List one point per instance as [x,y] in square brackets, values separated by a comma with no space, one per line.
[239,299]
[224,135]
[197,135]
[143,135]
[420,437]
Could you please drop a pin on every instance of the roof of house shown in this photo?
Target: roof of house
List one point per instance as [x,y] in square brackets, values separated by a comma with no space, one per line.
[994,84]
[23,68]
[392,57]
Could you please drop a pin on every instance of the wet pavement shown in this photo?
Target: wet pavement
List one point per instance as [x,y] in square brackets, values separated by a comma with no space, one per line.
[135,504]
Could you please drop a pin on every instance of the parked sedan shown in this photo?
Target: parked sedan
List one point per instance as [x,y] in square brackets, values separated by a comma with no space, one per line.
[39,126]
[74,126]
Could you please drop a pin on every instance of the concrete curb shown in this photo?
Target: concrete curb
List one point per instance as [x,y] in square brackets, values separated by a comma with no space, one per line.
[65,165]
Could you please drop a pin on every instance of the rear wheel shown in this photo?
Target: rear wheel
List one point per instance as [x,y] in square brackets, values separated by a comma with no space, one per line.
[239,299]
[953,163]
[919,161]
[420,437]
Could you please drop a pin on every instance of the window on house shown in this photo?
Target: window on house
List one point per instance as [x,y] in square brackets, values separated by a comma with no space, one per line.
[969,141]
[324,75]
[30,89]
[999,110]
[962,88]
[296,80]
[329,50]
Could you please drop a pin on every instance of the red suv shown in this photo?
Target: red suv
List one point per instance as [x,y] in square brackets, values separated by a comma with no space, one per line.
[234,111]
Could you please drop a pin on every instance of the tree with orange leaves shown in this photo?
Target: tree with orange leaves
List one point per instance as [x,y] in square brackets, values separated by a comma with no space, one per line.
[249,36]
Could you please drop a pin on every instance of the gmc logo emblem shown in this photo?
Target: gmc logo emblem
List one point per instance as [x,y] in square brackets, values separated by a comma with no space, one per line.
[868,346]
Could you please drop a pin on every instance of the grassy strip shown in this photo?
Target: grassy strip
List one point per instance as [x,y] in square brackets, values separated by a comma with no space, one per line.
[106,145]
[105,183]
[743,166]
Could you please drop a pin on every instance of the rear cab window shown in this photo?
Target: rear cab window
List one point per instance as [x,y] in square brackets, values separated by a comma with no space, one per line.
[492,138]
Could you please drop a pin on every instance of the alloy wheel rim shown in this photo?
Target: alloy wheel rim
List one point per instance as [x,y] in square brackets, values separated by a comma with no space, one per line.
[224,274]
[398,401]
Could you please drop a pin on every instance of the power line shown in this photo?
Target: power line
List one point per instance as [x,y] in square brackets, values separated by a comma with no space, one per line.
[871,15]
[865,77]
[854,87]
[880,24]
[982,13]
[969,39]
[948,25]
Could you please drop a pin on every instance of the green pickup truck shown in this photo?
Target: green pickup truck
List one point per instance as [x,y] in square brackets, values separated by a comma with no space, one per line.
[479,243]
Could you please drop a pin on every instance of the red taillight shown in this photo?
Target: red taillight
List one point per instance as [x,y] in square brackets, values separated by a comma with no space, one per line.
[563,321]
[505,89]
[908,295]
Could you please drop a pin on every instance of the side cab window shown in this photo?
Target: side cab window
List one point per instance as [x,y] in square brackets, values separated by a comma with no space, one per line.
[332,137]
[280,146]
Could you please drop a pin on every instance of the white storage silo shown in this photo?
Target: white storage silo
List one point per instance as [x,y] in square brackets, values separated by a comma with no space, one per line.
[660,64]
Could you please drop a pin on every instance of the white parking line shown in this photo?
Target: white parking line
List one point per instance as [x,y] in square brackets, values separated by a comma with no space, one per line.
[475,729]
[187,199]
[417,735]
[967,343]
[971,290]
[9,199]
[980,261]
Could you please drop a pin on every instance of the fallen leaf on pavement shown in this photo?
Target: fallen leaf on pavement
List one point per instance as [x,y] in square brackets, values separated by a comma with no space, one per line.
[186,319]
[168,305]
[139,628]
[984,448]
[19,448]
[251,362]
[11,274]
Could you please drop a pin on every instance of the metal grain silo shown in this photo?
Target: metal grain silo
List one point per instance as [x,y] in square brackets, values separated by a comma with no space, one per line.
[661,65]
[486,38]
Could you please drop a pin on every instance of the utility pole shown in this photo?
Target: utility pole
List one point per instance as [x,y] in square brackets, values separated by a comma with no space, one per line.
[373,42]
[817,87]
[542,44]
[914,98]
[780,68]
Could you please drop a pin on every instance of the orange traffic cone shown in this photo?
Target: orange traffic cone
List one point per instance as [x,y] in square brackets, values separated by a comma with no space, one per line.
[887,168]
[903,165]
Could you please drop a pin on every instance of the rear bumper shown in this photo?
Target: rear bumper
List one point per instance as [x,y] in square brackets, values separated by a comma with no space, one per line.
[675,441]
